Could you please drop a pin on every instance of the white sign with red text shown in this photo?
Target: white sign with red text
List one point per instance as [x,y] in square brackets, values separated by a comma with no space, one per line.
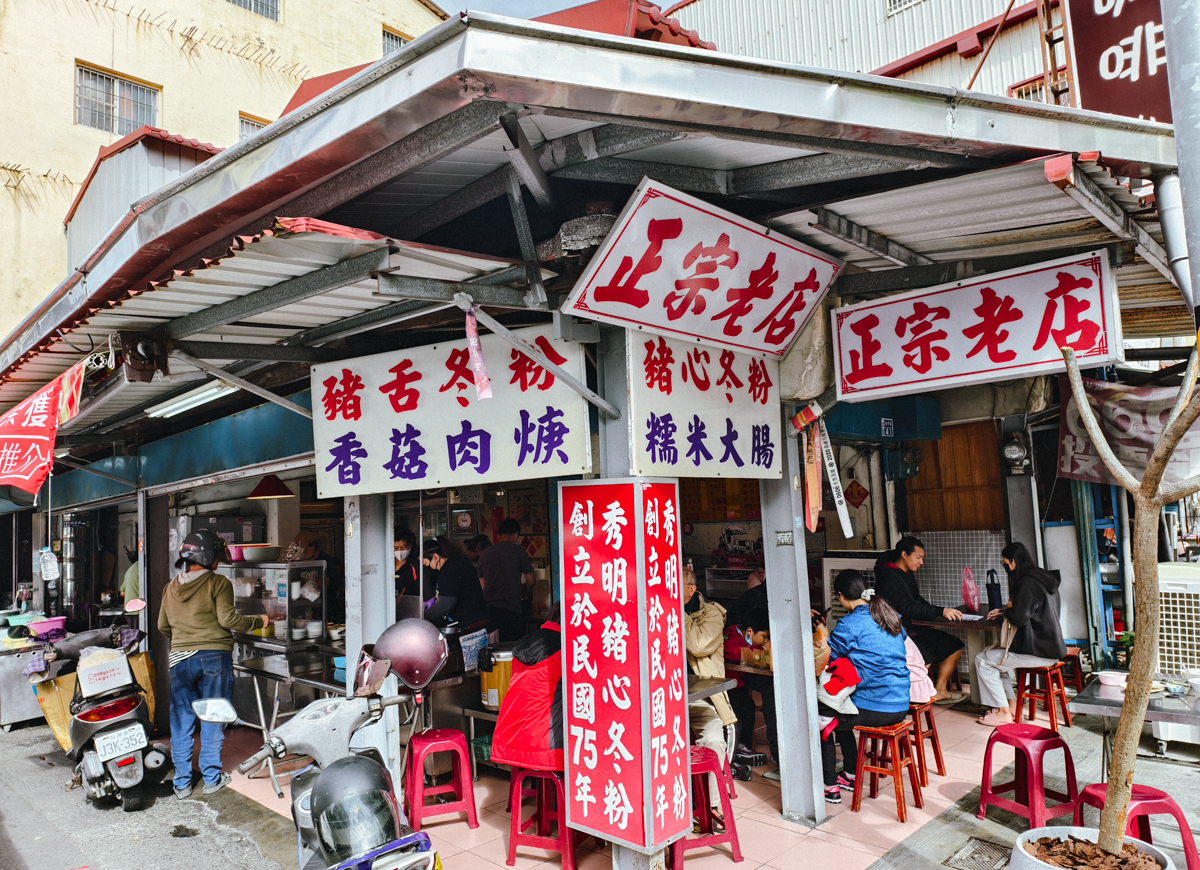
[411,419]
[676,266]
[625,718]
[701,412]
[1000,327]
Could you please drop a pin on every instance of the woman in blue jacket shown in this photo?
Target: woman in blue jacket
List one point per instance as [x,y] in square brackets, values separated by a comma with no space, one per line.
[870,635]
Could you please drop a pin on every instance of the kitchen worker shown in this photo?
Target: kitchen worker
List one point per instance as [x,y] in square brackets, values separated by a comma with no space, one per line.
[505,571]
[198,617]
[131,585]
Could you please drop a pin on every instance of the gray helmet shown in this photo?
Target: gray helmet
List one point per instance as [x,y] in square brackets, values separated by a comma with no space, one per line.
[203,548]
[354,808]
[417,650]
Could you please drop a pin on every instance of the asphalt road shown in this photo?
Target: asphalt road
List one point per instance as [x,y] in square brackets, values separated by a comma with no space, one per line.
[45,827]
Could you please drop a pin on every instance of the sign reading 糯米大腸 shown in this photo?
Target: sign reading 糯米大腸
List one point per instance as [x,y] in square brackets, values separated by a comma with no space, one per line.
[702,412]
[997,327]
[625,722]
[676,266]
[410,419]
[1120,58]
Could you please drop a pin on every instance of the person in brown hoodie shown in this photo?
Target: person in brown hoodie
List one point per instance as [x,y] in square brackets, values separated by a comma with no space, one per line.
[197,616]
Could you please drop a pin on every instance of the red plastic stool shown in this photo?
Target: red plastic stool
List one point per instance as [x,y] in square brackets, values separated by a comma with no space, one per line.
[1076,667]
[1045,685]
[886,751]
[1144,803]
[428,743]
[1031,743]
[921,732]
[551,804]
[704,762]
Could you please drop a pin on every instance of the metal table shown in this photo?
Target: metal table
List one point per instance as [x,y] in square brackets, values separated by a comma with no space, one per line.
[1107,702]
[18,703]
[976,642]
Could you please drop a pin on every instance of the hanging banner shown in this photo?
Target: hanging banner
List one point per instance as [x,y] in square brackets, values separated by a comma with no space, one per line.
[1120,58]
[411,419]
[1133,419]
[27,439]
[835,481]
[999,327]
[676,266]
[70,391]
[625,720]
[813,493]
[698,412]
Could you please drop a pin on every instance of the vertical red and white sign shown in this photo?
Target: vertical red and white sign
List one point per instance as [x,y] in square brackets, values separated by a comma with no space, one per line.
[624,675]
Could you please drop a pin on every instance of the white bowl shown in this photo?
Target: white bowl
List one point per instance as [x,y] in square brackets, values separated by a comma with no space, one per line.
[1194,682]
[1112,678]
[297,634]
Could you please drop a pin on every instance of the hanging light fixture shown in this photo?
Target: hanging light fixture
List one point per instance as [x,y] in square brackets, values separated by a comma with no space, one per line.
[271,487]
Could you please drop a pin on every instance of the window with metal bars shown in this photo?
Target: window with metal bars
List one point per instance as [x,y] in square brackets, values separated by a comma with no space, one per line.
[265,8]
[113,104]
[247,127]
[894,6]
[392,41]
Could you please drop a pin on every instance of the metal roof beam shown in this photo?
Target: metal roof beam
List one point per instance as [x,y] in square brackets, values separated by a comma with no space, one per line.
[619,171]
[278,295]
[222,375]
[525,163]
[1066,174]
[248,351]
[80,466]
[804,171]
[536,296]
[431,290]
[847,230]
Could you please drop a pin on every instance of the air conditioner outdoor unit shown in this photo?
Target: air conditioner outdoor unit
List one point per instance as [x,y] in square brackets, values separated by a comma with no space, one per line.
[1178,636]
[830,568]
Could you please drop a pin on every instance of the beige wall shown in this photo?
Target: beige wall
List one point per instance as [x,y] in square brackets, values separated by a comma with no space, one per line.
[212,61]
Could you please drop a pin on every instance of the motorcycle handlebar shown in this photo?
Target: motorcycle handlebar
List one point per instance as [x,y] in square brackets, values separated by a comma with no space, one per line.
[396,700]
[254,760]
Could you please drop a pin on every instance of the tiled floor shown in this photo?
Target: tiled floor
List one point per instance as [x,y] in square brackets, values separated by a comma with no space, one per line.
[845,840]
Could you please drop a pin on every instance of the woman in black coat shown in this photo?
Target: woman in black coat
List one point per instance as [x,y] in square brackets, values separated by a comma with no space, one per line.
[459,593]
[1033,609]
[896,583]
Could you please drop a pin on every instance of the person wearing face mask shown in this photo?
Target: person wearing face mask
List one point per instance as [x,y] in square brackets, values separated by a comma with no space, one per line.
[459,595]
[408,579]
[753,632]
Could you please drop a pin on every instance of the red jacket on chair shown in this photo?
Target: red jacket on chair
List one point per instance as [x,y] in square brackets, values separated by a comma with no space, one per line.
[529,728]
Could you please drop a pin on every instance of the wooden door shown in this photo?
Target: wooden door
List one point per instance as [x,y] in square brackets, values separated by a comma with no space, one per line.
[959,486]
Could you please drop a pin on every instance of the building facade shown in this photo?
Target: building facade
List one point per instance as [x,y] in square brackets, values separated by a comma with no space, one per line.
[80,76]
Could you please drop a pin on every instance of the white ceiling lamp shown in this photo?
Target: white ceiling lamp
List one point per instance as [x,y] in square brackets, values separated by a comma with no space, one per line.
[191,399]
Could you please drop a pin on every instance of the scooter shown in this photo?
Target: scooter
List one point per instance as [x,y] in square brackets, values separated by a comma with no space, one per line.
[344,804]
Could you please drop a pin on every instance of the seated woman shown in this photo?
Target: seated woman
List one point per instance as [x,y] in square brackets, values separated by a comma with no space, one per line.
[870,635]
[1033,608]
[896,582]
[459,595]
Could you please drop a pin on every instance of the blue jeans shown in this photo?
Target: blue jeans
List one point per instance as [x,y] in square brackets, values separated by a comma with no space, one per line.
[207,674]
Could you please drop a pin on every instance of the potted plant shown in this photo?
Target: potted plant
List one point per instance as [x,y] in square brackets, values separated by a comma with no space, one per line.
[1074,844]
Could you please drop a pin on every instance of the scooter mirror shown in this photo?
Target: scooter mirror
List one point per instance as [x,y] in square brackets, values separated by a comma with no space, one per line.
[369,674]
[215,710]
[135,605]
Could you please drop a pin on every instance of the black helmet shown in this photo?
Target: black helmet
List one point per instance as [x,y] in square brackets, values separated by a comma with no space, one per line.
[417,650]
[354,808]
[203,548]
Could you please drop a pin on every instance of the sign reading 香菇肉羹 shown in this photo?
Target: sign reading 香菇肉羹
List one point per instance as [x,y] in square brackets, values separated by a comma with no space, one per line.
[701,412]
[411,419]
[1120,58]
[676,266]
[997,327]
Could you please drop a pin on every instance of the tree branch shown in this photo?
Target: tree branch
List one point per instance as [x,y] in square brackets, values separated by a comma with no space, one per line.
[1092,425]
[1168,440]
[1185,389]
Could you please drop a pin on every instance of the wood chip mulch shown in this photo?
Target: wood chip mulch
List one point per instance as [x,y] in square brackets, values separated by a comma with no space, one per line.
[1074,852]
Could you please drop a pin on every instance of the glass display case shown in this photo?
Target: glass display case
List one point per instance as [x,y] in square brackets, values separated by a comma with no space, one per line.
[292,594]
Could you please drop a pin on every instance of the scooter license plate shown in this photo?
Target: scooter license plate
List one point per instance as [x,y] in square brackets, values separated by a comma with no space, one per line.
[120,742]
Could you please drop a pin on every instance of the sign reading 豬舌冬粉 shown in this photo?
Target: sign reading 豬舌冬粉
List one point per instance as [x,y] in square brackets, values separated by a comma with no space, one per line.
[411,419]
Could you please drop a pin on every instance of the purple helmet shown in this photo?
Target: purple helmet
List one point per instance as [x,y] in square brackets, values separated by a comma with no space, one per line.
[417,650]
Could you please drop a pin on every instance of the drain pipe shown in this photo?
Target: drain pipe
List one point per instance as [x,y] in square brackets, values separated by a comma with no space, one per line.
[1181,30]
[1169,198]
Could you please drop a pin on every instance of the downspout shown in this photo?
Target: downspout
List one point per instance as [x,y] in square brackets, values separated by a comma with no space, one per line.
[1181,30]
[1169,198]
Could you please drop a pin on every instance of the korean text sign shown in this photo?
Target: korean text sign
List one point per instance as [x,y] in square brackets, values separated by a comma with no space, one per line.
[1120,58]
[679,267]
[410,419]
[998,327]
[701,412]
[624,673]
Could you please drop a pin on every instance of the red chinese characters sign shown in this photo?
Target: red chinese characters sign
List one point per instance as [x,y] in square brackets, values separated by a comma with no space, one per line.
[1120,58]
[996,328]
[677,266]
[27,432]
[624,674]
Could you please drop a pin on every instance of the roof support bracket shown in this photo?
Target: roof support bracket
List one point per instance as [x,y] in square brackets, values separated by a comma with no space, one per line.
[222,375]
[525,163]
[536,297]
[80,466]
[246,351]
[466,303]
[869,240]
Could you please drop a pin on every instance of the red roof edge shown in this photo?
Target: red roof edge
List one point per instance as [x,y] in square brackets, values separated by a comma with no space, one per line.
[312,88]
[107,151]
[314,225]
[638,19]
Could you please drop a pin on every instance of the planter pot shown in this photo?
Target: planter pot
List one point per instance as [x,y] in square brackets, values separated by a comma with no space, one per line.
[1022,860]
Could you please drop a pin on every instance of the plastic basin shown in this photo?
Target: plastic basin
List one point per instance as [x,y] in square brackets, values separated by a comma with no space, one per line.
[26,618]
[339,662]
[41,625]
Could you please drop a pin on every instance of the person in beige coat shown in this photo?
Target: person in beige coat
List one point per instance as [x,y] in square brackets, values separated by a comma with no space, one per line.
[703,631]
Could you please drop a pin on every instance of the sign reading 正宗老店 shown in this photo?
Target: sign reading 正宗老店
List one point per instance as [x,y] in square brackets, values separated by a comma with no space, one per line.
[410,419]
[676,266]
[701,412]
[996,327]
[625,718]
[1120,58]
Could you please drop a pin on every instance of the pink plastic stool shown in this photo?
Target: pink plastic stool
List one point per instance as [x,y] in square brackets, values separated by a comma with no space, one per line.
[1144,803]
[704,762]
[551,805]
[1031,743]
[425,744]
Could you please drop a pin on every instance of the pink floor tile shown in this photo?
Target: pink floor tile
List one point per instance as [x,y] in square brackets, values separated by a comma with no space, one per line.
[775,820]
[496,851]
[260,791]
[717,858]
[760,842]
[492,826]
[823,853]
[471,861]
[858,846]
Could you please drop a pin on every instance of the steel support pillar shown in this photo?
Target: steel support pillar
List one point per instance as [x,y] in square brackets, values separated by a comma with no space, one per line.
[791,636]
[1181,30]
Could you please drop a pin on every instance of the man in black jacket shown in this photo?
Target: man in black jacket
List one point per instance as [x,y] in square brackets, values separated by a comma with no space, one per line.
[1034,608]
[896,583]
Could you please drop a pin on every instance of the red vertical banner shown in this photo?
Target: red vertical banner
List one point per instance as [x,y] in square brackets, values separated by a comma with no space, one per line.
[624,678]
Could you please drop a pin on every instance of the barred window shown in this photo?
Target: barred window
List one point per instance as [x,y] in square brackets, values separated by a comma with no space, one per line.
[392,41]
[113,104]
[247,127]
[894,6]
[265,8]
